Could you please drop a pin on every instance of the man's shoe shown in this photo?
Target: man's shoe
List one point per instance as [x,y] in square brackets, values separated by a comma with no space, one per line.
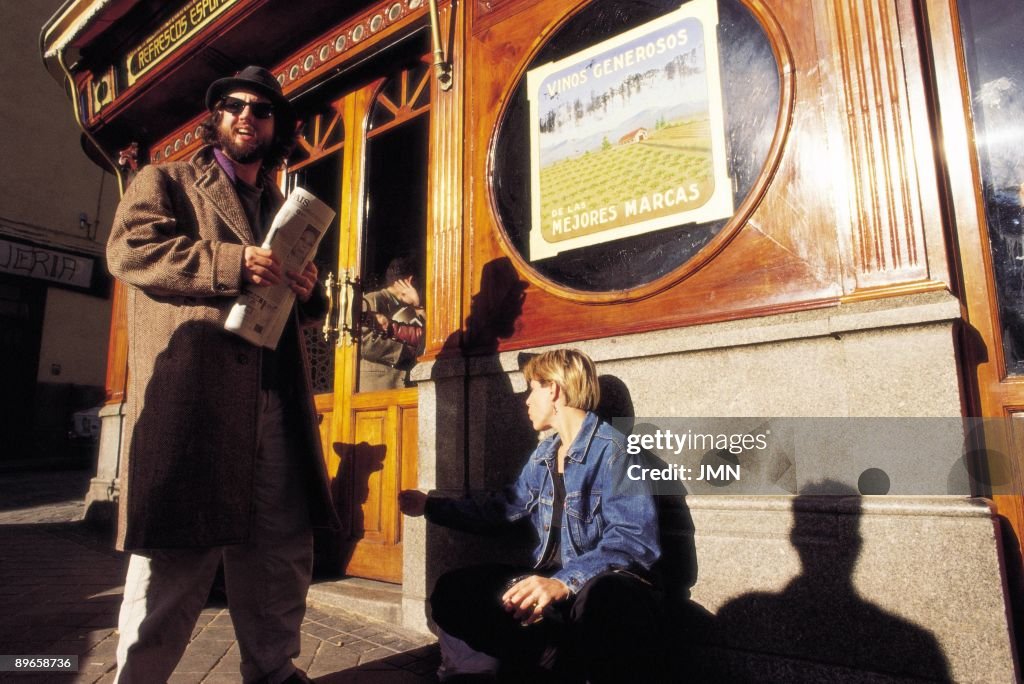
[298,677]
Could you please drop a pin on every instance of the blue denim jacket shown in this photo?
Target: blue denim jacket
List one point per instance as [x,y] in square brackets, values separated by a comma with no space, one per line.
[610,521]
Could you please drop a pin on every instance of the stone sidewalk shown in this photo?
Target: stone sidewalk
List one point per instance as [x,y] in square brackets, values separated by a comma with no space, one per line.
[61,583]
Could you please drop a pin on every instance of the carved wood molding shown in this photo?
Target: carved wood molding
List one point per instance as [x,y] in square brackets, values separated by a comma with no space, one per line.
[487,13]
[444,246]
[886,228]
[346,42]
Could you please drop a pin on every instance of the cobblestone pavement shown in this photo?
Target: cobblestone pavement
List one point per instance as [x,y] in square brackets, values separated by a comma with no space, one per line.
[60,588]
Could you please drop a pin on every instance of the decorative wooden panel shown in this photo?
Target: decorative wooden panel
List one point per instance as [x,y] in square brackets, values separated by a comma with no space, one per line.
[488,12]
[369,476]
[323,134]
[408,435]
[324,409]
[886,231]
[445,246]
[377,463]
[838,210]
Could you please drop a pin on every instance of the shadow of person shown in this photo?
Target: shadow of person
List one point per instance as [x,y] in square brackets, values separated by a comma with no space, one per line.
[819,621]
[483,435]
[350,489]
[495,308]
[494,406]
[493,418]
[676,569]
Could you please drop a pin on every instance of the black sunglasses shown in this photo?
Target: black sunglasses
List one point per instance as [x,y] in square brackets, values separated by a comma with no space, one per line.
[235,107]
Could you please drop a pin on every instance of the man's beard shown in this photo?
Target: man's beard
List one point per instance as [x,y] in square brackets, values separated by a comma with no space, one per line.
[247,152]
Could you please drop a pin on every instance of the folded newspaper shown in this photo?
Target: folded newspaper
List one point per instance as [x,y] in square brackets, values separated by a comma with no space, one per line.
[261,312]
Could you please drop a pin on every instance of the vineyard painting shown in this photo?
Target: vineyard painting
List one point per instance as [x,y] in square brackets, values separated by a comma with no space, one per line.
[628,136]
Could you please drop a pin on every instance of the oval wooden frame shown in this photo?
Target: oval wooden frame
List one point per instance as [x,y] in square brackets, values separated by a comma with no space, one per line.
[787,100]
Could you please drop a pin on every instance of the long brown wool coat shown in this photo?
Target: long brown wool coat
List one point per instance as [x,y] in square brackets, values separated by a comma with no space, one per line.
[190,430]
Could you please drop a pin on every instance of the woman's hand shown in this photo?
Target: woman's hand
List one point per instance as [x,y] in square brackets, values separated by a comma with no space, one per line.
[527,599]
[412,502]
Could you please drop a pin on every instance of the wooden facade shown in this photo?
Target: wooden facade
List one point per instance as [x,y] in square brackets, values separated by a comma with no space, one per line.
[870,188]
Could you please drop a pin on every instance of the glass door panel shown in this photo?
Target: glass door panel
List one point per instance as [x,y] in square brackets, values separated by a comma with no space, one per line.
[394,231]
[993,39]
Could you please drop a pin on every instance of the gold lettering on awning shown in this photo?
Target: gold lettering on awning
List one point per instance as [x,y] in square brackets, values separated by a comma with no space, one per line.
[172,34]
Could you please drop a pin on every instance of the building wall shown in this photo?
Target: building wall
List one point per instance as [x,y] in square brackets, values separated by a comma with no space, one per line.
[746,569]
[52,181]
[75,350]
[46,185]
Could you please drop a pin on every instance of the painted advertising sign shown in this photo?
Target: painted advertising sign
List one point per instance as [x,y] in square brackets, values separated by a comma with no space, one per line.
[172,34]
[40,263]
[628,136]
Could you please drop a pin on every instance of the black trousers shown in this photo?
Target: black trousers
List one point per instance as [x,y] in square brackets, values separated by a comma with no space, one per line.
[609,631]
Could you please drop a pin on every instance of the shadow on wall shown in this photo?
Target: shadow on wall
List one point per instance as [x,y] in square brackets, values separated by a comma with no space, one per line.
[677,568]
[350,490]
[481,422]
[496,438]
[490,421]
[819,626]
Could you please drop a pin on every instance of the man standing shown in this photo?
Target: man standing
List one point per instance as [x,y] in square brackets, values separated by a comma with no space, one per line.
[222,460]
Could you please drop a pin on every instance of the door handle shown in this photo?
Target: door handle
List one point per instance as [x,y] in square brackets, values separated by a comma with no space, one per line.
[343,296]
[351,306]
[330,327]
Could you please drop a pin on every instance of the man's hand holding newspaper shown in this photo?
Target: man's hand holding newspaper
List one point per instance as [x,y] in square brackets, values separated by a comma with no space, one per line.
[261,267]
[261,311]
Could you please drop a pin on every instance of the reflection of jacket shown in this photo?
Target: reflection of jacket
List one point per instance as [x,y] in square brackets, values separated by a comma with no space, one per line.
[610,521]
[193,389]
[384,359]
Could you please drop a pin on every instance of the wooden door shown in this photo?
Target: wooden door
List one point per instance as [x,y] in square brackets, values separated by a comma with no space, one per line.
[365,152]
[978,73]
[22,304]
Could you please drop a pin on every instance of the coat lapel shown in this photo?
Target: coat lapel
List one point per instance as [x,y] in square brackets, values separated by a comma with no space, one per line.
[214,183]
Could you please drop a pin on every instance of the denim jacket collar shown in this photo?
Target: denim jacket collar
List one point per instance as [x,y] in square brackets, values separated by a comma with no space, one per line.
[548,449]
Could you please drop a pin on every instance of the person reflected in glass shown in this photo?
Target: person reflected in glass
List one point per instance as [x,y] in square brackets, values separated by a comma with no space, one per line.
[392,327]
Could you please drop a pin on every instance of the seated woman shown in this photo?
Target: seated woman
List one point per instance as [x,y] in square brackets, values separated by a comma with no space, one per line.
[587,607]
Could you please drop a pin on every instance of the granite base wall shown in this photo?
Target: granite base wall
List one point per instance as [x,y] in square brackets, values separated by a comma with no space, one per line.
[789,583]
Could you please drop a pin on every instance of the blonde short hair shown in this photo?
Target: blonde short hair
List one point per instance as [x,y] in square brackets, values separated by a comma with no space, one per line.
[572,371]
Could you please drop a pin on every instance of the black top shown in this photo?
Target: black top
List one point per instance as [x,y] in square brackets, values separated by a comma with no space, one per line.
[552,556]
